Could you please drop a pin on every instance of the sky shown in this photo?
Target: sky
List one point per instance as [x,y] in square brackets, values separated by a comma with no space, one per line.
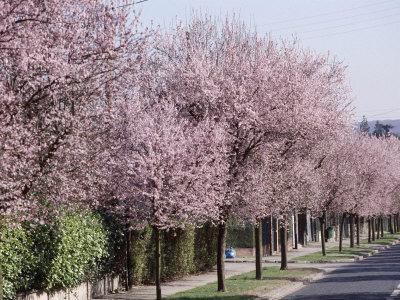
[364,34]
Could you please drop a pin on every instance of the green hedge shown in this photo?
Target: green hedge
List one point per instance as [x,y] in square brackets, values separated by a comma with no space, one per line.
[178,253]
[78,244]
[16,260]
[49,257]
[205,249]
[239,235]
[184,252]
[80,247]
[142,247]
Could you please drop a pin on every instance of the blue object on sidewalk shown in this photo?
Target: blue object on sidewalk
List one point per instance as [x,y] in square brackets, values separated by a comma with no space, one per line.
[230,253]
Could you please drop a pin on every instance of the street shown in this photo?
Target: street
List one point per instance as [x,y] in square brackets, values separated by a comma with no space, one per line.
[376,277]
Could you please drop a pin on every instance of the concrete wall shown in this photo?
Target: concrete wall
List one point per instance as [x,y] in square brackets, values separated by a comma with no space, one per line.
[85,291]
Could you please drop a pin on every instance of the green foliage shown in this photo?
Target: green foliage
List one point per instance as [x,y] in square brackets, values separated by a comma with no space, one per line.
[60,255]
[239,235]
[16,259]
[183,252]
[78,244]
[115,261]
[178,253]
[80,247]
[205,249]
[142,247]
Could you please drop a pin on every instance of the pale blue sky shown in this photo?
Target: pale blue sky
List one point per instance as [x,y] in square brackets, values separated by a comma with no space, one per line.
[365,34]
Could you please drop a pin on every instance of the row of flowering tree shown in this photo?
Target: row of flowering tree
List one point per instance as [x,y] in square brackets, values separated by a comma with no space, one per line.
[169,129]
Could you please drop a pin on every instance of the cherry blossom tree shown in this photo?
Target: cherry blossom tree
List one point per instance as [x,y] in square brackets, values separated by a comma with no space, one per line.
[260,92]
[356,177]
[380,177]
[57,59]
[162,165]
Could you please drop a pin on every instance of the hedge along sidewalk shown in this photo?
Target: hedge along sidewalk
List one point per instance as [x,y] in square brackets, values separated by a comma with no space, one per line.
[349,254]
[193,281]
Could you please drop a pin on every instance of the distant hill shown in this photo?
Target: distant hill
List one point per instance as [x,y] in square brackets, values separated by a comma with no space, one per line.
[395,123]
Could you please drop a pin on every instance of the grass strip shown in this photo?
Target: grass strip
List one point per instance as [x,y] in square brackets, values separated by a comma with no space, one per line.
[245,286]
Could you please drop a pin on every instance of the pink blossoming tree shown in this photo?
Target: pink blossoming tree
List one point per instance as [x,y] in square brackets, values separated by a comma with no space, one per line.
[57,59]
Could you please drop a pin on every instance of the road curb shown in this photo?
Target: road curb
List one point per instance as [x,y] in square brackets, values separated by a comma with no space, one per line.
[348,260]
[295,285]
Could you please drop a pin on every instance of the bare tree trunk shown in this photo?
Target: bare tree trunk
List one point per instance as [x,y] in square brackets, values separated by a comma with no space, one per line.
[257,241]
[381,220]
[296,238]
[377,223]
[351,217]
[129,265]
[322,227]
[369,231]
[157,253]
[276,238]
[341,233]
[397,222]
[220,257]
[271,233]
[390,225]
[373,228]
[358,229]
[283,240]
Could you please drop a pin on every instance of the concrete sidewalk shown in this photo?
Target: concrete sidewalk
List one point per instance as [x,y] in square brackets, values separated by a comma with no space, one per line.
[233,267]
[145,292]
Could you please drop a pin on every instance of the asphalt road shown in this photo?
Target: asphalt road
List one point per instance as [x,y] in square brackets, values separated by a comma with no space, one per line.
[376,277]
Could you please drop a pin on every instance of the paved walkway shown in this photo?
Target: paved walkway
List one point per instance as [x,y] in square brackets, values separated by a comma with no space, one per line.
[147,292]
[376,277]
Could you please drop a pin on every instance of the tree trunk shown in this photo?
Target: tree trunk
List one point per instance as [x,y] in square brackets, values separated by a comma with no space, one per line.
[322,227]
[341,233]
[377,223]
[276,235]
[283,240]
[257,241]
[358,229]
[382,234]
[157,258]
[296,238]
[390,225]
[220,257]
[157,253]
[369,231]
[393,223]
[129,265]
[271,233]
[351,217]
[373,228]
